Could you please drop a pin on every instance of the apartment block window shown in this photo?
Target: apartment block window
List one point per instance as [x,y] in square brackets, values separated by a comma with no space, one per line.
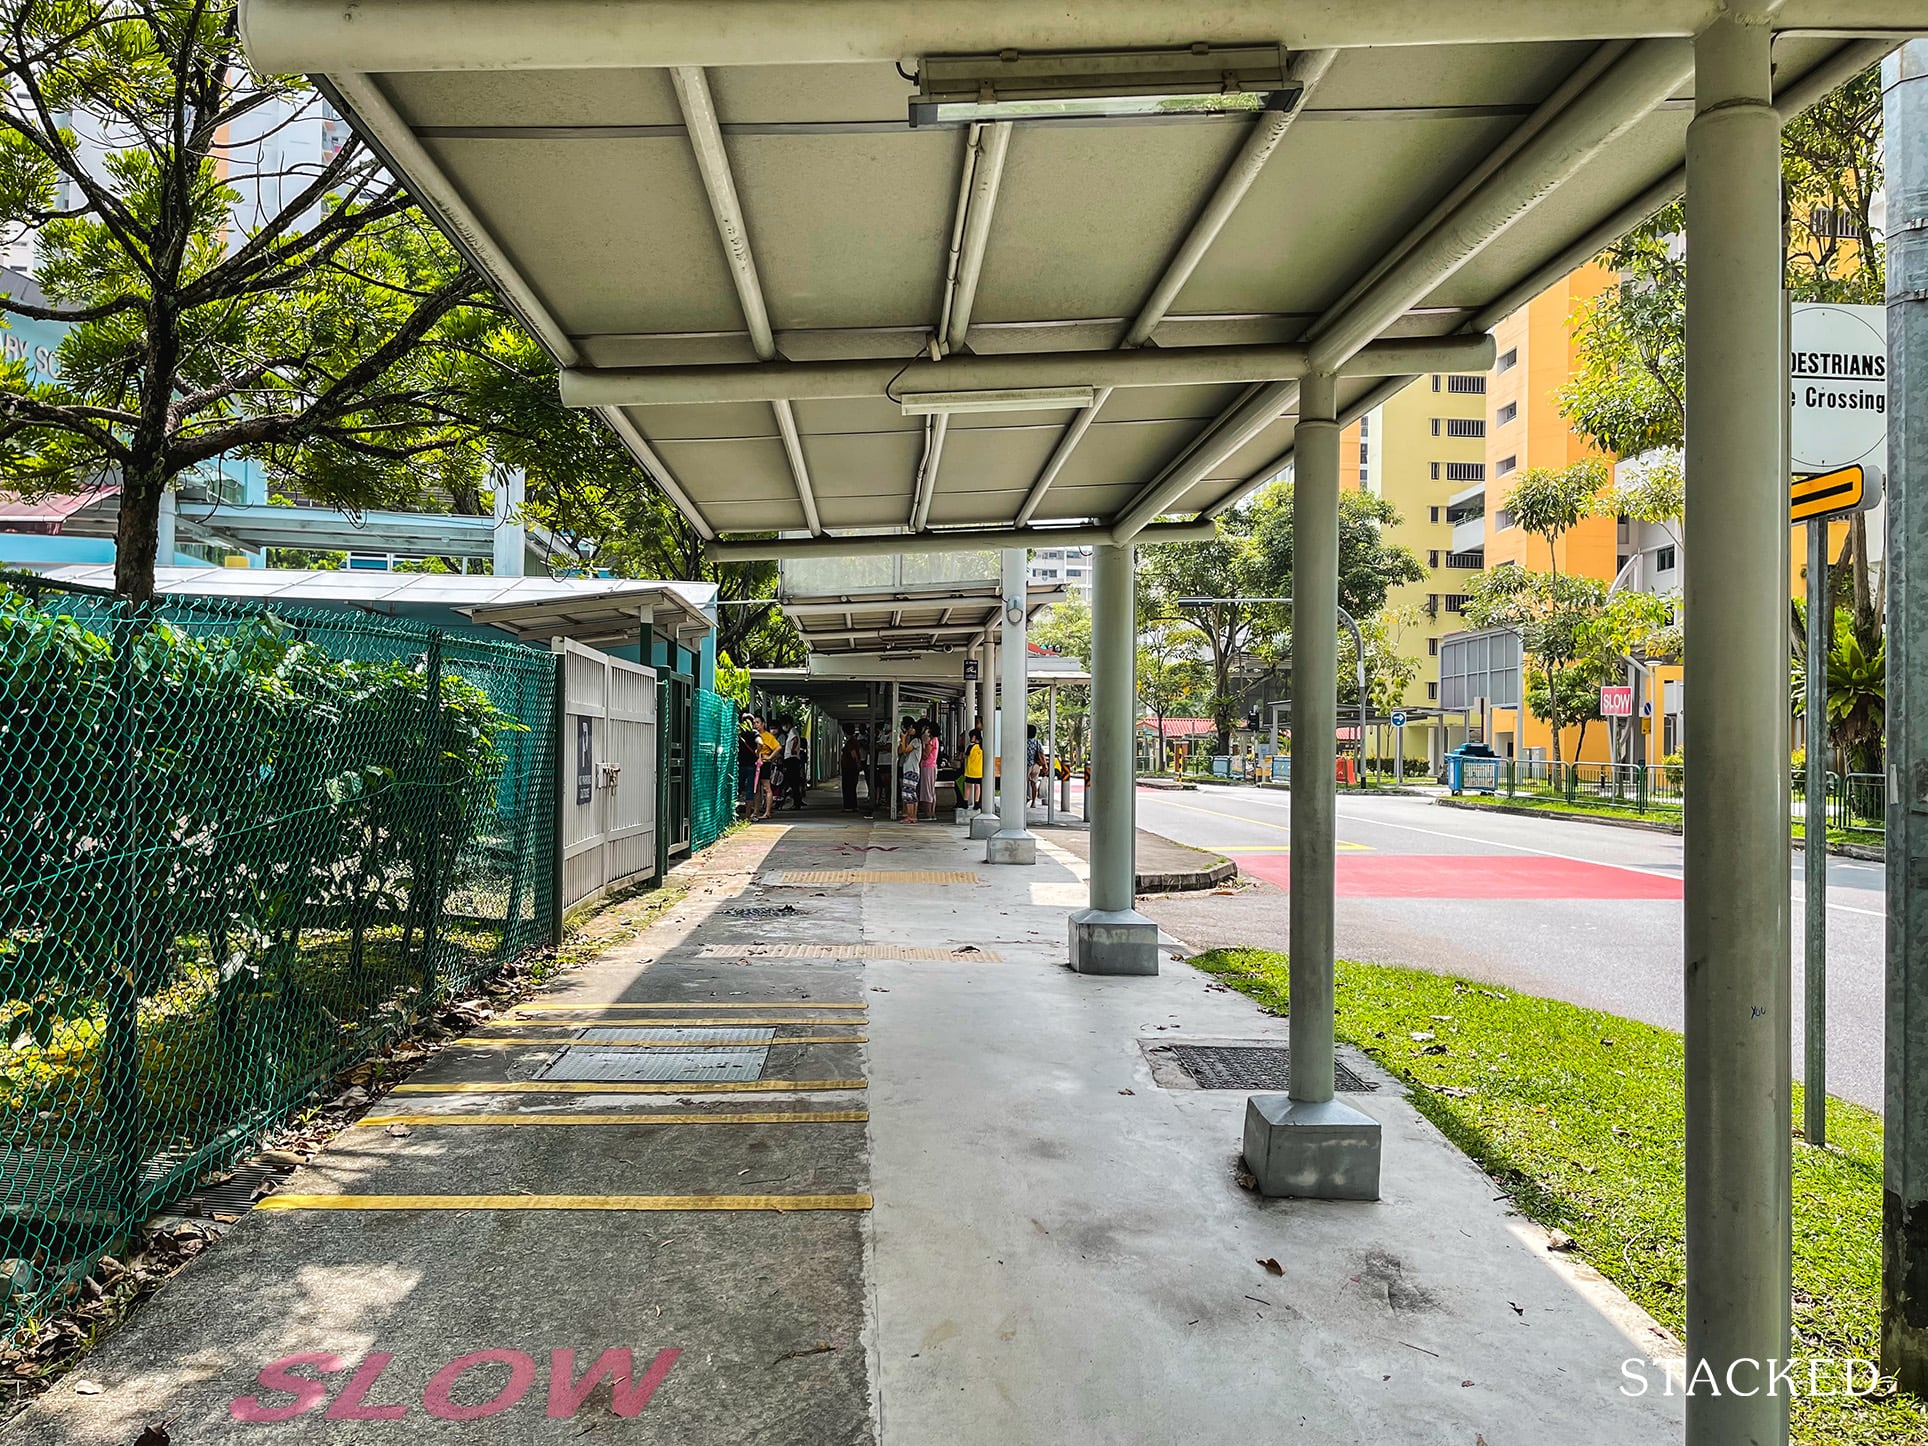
[1432,647]
[1362,454]
[1456,602]
[1824,221]
[1432,557]
[1364,476]
[1506,414]
[1465,471]
[1435,471]
[1502,520]
[1435,426]
[1505,465]
[1664,560]
[1434,510]
[1435,381]
[1365,426]
[1467,386]
[1509,359]
[1432,692]
[1466,426]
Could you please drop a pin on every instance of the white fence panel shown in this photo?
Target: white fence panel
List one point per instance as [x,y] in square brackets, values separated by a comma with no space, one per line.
[608,796]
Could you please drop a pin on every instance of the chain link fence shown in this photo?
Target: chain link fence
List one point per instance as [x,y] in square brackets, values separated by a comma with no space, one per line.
[239,849]
[712,768]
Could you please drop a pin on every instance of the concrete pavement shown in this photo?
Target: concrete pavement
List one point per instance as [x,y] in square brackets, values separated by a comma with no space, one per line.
[1059,1250]
[1548,906]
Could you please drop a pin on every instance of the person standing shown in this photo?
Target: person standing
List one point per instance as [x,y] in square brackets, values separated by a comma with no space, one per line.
[973,774]
[927,772]
[1033,762]
[910,768]
[793,759]
[769,751]
[853,768]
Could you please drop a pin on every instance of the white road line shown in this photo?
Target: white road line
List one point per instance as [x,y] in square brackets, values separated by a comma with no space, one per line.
[1543,853]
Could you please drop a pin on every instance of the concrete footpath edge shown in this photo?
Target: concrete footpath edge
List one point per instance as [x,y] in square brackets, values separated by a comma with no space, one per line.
[1844,851]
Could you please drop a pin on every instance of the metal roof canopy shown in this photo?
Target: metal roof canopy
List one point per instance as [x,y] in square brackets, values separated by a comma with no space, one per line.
[935,619]
[596,611]
[719,221]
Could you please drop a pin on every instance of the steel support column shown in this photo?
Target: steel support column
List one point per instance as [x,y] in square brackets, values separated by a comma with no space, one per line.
[984,822]
[1738,885]
[1904,1296]
[1306,1143]
[1014,843]
[1112,937]
[1814,831]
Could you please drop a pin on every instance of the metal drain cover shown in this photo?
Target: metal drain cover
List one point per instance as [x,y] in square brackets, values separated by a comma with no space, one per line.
[679,1034]
[1253,1067]
[679,1066]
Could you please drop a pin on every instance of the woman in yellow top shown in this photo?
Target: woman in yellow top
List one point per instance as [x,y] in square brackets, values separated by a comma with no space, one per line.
[767,748]
[974,771]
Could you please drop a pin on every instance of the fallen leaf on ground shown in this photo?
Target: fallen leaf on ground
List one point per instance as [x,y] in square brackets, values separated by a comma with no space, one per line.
[88,1388]
[1559,1240]
[1272,1266]
[1246,1179]
[155,1436]
[1127,1092]
[398,1131]
[1420,1036]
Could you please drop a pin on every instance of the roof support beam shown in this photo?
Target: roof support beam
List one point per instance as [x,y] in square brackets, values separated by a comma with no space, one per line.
[1146,367]
[719,183]
[285,37]
[358,96]
[1560,144]
[1260,142]
[876,544]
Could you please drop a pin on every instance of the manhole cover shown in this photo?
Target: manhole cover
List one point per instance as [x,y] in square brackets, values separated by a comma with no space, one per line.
[764,911]
[624,1066]
[692,1034]
[1253,1067]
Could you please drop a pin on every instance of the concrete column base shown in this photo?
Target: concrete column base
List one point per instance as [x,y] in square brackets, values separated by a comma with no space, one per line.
[983,825]
[1013,846]
[1113,941]
[964,815]
[1326,1151]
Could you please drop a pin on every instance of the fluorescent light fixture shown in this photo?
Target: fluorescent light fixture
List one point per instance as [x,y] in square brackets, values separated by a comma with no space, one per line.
[1005,399]
[1201,80]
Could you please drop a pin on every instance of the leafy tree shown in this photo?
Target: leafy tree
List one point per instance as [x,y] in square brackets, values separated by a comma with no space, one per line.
[1065,630]
[1370,566]
[319,349]
[1171,677]
[1651,488]
[1550,504]
[1550,613]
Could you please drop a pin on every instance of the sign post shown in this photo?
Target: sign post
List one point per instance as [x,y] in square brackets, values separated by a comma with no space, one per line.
[1837,428]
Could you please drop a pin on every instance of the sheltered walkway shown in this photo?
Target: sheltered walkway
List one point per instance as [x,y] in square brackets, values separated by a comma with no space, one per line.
[965,1198]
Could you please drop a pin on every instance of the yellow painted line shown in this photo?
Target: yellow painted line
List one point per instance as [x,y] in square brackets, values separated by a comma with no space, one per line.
[765,1004]
[591,1087]
[564,1202]
[634,1117]
[477,1042]
[569,1021]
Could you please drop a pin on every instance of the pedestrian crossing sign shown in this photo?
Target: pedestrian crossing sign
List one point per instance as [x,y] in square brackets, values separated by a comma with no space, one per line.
[1856,488]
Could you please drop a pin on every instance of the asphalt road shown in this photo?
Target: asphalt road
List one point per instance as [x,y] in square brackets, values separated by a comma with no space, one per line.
[1574,911]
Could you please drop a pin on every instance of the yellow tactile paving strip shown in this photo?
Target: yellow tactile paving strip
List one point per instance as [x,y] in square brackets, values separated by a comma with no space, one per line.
[571,1041]
[564,1202]
[596,1087]
[626,1118]
[799,877]
[841,951]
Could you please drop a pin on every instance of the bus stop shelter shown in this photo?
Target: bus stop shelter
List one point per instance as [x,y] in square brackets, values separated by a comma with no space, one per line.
[995,274]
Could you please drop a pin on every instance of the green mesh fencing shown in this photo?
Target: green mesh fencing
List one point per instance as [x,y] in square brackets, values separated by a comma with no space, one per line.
[238,850]
[713,769]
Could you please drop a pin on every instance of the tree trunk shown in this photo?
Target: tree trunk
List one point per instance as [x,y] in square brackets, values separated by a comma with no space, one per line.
[1867,621]
[137,533]
[1553,712]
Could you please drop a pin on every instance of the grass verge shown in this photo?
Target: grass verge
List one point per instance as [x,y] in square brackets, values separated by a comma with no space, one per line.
[1557,806]
[1578,1116]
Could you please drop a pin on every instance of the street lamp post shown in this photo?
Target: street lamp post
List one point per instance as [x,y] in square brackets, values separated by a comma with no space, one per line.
[1358,655]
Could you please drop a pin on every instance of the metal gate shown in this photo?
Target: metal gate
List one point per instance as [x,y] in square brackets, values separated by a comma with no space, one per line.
[674,733]
[607,804]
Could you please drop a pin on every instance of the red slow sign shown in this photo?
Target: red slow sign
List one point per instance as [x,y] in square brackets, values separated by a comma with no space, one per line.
[1616,701]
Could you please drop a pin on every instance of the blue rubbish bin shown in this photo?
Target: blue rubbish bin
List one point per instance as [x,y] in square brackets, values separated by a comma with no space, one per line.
[1473,768]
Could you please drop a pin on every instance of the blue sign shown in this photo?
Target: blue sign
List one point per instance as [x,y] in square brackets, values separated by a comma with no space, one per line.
[1398,718]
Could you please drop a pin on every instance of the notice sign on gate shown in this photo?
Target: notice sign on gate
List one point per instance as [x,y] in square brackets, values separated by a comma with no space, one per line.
[1616,700]
[585,759]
